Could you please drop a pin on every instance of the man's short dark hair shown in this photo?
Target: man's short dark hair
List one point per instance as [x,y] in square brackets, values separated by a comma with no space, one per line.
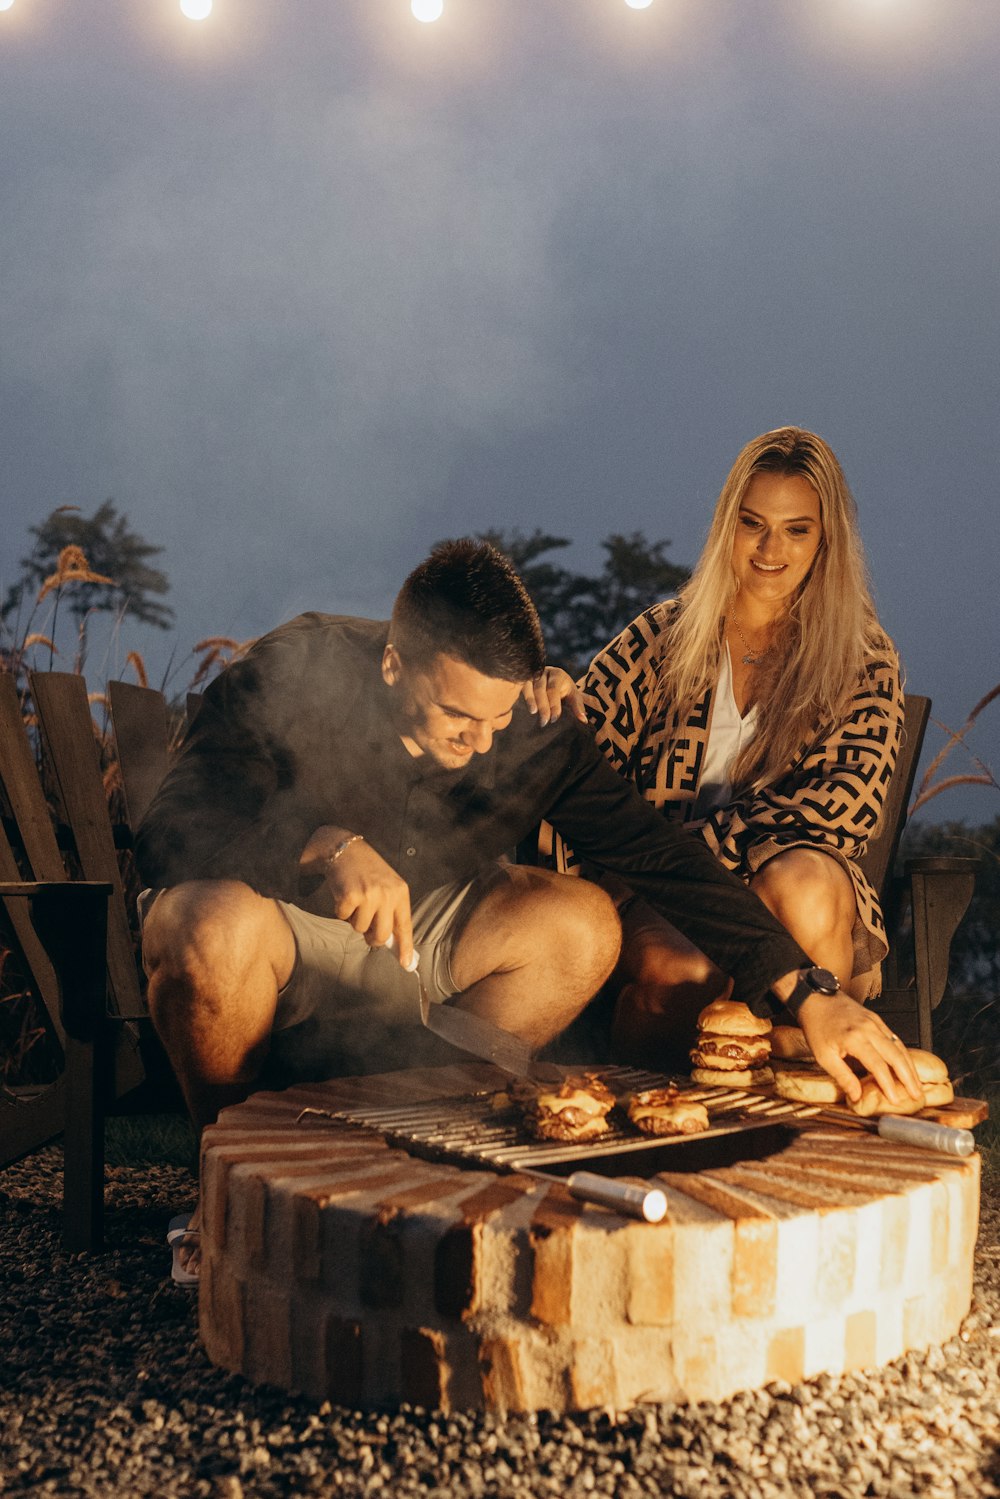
[467,601]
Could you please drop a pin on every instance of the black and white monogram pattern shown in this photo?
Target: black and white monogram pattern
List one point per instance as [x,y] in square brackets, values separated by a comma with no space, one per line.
[830,796]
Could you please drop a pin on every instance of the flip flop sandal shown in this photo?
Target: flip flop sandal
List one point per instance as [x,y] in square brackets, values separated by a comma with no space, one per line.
[180,1236]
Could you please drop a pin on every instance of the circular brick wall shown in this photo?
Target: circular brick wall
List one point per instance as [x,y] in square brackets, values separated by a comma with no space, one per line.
[345,1269]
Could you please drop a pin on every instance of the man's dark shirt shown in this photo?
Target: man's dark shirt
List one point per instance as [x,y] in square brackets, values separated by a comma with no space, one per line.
[299,734]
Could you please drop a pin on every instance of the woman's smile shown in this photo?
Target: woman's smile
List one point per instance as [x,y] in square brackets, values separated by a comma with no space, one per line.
[778,534]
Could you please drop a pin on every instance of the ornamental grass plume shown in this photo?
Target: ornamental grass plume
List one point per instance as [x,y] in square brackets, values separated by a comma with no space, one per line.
[217,650]
[983,776]
[72,567]
[38,639]
[138,665]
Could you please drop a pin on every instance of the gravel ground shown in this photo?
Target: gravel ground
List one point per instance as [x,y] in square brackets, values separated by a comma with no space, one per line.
[104,1390]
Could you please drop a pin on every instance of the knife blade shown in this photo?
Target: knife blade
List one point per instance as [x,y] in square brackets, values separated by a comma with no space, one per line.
[473,1034]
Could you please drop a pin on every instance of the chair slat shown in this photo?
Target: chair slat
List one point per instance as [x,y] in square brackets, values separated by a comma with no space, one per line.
[142,733]
[67,728]
[880,855]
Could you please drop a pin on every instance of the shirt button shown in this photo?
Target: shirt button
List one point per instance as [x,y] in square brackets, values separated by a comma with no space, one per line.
[410,852]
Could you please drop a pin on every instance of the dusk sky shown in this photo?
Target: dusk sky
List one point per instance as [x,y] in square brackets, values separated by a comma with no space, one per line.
[310,285]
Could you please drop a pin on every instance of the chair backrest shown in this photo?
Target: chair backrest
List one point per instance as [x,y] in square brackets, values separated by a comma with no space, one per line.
[77,784]
[880,855]
[142,736]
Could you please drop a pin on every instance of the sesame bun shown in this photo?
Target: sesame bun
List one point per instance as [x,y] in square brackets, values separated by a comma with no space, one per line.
[725,1017]
[787,1041]
[807,1085]
[873,1101]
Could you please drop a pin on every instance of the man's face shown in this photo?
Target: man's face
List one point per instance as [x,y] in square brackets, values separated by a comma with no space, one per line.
[447,709]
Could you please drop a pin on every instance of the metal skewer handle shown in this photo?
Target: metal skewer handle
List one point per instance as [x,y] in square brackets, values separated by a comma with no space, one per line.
[926,1134]
[647,1203]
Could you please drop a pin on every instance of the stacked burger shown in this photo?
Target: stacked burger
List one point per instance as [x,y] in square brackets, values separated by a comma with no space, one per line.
[733,1047]
[574,1109]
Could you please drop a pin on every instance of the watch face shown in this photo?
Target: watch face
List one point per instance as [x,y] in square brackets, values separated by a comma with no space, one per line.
[822,980]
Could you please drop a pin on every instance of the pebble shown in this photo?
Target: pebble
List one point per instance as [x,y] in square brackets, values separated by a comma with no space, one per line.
[105,1391]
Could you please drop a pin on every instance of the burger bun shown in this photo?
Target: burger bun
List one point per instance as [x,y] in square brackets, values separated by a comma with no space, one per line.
[873,1102]
[726,1017]
[928,1067]
[807,1085]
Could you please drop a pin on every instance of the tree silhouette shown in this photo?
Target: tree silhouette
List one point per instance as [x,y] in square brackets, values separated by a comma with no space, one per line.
[581,613]
[112,550]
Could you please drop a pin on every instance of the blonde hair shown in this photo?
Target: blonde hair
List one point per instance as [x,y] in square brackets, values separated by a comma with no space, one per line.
[830,630]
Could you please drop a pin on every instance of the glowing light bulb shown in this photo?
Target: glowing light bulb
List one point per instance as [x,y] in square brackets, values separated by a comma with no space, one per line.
[196,10]
[427,10]
[6,4]
[638,4]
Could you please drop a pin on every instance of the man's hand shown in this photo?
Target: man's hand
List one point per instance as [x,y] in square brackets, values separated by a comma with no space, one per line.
[364,889]
[546,693]
[836,1027]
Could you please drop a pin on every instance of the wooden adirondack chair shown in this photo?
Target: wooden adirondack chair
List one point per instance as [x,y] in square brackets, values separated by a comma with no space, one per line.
[922,905]
[69,917]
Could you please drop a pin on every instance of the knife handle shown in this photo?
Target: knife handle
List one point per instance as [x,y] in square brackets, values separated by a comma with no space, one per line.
[413,964]
[927,1134]
[645,1202]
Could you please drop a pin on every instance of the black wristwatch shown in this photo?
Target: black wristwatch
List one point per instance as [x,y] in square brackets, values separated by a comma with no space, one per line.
[811,981]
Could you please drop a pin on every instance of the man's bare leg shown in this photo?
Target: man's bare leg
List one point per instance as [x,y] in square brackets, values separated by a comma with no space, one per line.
[535,950]
[217,954]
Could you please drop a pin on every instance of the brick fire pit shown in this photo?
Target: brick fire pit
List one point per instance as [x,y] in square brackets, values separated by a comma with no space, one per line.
[343,1268]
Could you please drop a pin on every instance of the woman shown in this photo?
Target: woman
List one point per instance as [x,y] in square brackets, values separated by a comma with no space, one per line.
[763,708]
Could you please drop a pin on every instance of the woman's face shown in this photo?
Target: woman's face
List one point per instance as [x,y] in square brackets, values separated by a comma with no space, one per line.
[778,533]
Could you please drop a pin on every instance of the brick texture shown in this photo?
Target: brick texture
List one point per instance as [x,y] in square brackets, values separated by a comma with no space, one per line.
[339,1266]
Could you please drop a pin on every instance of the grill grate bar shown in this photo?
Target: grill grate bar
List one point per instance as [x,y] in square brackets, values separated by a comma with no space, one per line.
[468,1129]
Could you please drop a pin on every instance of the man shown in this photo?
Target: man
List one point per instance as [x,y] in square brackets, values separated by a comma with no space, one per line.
[349,781]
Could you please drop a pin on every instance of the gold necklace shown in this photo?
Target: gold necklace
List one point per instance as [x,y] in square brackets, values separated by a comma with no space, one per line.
[752,657]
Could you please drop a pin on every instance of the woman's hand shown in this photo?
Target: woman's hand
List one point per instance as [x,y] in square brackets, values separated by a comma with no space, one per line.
[546,693]
[836,1027]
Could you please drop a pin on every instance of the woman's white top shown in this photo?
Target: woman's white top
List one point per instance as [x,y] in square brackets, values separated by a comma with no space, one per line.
[728,736]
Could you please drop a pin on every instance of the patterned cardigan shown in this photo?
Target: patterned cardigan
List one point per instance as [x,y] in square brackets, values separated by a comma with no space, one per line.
[830,795]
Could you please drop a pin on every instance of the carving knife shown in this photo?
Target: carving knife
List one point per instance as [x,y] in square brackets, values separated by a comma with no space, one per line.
[473,1034]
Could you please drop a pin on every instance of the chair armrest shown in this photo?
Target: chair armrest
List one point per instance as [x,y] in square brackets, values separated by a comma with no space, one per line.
[70,918]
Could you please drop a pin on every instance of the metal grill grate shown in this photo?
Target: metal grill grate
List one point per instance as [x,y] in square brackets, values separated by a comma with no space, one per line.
[468,1130]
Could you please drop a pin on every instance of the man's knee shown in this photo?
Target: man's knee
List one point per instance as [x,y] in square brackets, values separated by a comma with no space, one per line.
[202,931]
[576,917]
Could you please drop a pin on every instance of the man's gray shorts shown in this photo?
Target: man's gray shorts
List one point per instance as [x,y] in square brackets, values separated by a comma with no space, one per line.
[349,1008]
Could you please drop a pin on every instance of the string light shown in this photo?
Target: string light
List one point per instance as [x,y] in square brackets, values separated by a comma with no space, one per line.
[427,10]
[197,10]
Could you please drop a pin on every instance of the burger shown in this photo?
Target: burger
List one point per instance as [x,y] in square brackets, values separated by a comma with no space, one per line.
[666,1111]
[934,1081]
[733,1047]
[576,1109]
